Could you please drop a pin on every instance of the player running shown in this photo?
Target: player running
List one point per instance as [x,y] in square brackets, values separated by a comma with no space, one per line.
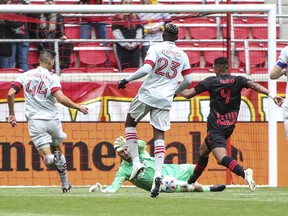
[164,64]
[41,90]
[225,98]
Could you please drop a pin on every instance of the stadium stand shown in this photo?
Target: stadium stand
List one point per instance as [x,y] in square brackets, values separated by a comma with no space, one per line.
[73,70]
[10,70]
[130,70]
[202,28]
[257,55]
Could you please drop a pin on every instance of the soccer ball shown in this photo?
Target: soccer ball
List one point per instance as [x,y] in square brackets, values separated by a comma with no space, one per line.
[168,184]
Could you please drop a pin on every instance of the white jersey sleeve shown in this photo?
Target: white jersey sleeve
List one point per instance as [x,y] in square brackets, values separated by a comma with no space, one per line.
[283,58]
[168,63]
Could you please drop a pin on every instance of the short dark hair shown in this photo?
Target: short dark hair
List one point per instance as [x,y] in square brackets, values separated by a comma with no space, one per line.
[48,52]
[47,55]
[171,28]
[221,60]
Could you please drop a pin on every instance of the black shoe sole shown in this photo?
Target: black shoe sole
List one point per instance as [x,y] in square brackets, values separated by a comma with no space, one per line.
[217,188]
[155,192]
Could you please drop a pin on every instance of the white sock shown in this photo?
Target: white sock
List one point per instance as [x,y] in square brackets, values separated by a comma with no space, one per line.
[159,154]
[132,143]
[63,175]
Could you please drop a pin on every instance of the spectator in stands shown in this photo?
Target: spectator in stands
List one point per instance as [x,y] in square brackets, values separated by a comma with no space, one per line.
[153,24]
[126,26]
[6,31]
[96,22]
[20,50]
[52,27]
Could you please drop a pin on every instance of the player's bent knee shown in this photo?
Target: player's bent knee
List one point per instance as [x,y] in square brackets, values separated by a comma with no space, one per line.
[49,160]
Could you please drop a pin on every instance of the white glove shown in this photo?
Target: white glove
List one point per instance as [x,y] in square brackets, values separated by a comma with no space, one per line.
[190,187]
[97,188]
[120,144]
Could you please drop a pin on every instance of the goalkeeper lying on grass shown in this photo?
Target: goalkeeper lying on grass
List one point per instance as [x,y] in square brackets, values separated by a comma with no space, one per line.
[174,176]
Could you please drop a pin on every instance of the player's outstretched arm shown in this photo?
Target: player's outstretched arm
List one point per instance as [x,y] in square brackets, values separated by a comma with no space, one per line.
[187,79]
[188,93]
[141,72]
[259,88]
[63,99]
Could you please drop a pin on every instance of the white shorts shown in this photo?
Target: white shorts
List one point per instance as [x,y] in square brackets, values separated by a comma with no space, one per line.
[285,117]
[159,118]
[44,133]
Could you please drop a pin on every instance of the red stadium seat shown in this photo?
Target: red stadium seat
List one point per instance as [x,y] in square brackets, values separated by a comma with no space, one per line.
[101,70]
[11,70]
[193,52]
[73,70]
[91,54]
[202,70]
[130,70]
[212,51]
[182,29]
[260,29]
[67,2]
[240,32]
[248,1]
[72,31]
[33,57]
[202,28]
[257,55]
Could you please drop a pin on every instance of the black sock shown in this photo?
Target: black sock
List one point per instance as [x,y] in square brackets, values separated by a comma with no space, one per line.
[233,166]
[200,167]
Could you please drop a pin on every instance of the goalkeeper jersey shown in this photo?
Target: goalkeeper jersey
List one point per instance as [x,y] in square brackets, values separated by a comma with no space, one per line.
[144,180]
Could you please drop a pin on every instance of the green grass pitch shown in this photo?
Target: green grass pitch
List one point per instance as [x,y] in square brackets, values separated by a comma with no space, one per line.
[131,201]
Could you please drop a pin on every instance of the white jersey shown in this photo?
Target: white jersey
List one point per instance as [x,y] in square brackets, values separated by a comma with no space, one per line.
[38,85]
[168,63]
[282,63]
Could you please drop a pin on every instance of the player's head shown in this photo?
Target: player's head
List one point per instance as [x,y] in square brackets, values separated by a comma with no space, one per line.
[220,65]
[170,32]
[47,58]
[120,147]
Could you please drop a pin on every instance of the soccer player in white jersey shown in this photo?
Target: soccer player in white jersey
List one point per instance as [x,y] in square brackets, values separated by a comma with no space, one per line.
[41,88]
[280,69]
[164,64]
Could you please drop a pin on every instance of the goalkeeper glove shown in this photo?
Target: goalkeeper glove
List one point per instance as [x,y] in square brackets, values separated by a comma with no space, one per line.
[97,188]
[122,84]
[120,144]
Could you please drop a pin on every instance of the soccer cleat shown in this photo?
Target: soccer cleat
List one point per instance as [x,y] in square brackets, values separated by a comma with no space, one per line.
[249,179]
[66,187]
[155,187]
[217,188]
[135,171]
[59,164]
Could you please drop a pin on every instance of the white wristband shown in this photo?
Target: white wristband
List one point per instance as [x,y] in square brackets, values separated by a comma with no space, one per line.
[271,95]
